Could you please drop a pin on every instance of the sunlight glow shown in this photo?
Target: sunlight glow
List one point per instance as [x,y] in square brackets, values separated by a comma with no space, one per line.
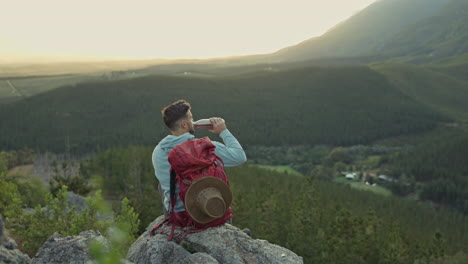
[164,29]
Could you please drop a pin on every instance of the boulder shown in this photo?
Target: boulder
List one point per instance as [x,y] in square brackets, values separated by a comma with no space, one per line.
[8,249]
[13,256]
[158,250]
[2,230]
[77,201]
[72,249]
[224,244]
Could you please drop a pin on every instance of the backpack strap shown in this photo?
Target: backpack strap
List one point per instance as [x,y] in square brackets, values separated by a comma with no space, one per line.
[172,191]
[172,216]
[218,160]
[172,195]
[153,231]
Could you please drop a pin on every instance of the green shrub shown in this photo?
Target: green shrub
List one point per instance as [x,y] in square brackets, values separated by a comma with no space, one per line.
[125,229]
[32,191]
[33,229]
[74,180]
[10,198]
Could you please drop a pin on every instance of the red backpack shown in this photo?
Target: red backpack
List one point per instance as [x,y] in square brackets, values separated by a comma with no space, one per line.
[191,160]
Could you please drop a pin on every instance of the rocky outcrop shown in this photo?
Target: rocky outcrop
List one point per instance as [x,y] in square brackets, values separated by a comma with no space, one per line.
[76,201]
[72,249]
[8,249]
[2,229]
[224,244]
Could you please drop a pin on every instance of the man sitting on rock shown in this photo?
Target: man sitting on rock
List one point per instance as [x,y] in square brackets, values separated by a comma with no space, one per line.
[178,118]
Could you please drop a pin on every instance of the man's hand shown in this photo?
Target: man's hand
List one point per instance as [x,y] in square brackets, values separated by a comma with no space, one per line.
[218,125]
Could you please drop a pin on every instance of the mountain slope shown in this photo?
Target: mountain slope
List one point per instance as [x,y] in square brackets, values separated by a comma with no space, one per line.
[443,92]
[442,35]
[338,106]
[456,66]
[364,32]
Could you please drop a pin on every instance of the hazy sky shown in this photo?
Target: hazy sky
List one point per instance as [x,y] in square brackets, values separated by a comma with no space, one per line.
[164,28]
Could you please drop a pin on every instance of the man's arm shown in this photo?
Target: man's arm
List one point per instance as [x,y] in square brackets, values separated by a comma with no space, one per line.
[231,152]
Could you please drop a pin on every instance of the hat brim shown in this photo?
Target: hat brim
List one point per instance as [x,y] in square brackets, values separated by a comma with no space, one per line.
[196,187]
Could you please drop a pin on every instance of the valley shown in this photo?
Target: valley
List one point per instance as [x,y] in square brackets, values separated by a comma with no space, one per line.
[356,140]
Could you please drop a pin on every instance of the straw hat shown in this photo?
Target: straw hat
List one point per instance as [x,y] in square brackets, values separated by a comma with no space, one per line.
[207,199]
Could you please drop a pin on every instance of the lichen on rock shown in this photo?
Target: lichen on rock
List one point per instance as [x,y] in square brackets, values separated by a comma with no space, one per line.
[225,244]
[71,249]
[8,249]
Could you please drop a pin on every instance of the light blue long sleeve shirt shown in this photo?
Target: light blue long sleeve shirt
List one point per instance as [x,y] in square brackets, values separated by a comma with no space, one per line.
[230,152]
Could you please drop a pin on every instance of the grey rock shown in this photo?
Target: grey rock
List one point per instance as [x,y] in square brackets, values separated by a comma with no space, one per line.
[8,252]
[224,244]
[77,201]
[9,243]
[199,258]
[72,249]
[2,229]
[228,244]
[156,249]
[13,256]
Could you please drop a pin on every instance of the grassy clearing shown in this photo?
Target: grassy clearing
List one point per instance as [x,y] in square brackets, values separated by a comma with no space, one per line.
[6,92]
[34,85]
[362,186]
[280,168]
[47,67]
[23,170]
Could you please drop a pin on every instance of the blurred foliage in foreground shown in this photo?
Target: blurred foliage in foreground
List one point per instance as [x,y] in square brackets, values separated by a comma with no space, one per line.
[321,221]
[31,228]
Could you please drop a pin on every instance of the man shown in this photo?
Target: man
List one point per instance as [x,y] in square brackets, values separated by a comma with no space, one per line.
[178,118]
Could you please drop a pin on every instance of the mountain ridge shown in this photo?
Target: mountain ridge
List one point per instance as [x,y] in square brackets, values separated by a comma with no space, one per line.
[363,32]
[439,36]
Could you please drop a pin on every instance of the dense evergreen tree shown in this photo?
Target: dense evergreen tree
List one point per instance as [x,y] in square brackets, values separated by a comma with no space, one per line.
[337,106]
[440,163]
[321,221]
[127,172]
